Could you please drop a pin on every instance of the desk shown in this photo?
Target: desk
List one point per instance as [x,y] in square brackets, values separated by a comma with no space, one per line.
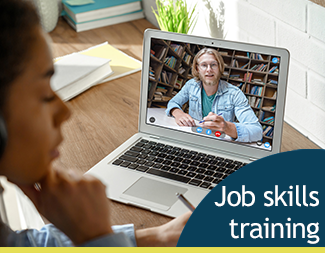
[161,119]
[107,114]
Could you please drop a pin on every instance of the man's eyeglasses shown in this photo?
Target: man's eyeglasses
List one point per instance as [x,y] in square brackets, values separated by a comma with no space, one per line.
[204,66]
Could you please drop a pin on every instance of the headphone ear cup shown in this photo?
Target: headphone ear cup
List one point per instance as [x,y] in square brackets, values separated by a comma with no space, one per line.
[3,135]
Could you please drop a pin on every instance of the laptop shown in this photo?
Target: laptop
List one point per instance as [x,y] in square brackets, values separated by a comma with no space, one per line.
[163,159]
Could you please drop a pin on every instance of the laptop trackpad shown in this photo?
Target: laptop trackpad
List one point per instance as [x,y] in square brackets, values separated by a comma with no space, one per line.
[153,193]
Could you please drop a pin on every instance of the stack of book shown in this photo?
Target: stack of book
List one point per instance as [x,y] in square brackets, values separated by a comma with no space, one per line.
[101,13]
[159,96]
[152,73]
[76,73]
[178,83]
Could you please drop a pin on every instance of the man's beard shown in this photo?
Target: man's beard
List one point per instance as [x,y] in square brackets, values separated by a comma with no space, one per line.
[209,83]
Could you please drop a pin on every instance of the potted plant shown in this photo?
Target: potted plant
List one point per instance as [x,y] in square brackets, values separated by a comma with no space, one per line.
[174,16]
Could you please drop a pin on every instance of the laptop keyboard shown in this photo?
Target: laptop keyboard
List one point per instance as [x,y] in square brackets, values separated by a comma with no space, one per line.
[183,165]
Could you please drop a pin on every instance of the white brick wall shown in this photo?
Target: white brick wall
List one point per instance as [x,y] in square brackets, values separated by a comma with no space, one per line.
[316,21]
[316,56]
[305,117]
[316,90]
[256,22]
[297,78]
[296,41]
[293,12]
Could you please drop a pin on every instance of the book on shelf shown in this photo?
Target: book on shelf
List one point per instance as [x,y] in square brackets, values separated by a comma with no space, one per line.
[269,120]
[181,70]
[248,87]
[257,81]
[273,69]
[235,63]
[76,73]
[241,55]
[251,101]
[170,61]
[259,67]
[152,73]
[159,96]
[178,49]
[178,82]
[244,66]
[166,98]
[274,95]
[269,108]
[159,51]
[187,58]
[268,131]
[256,90]
[161,89]
[100,9]
[226,73]
[258,103]
[96,23]
[248,77]
[223,52]
[164,77]
[235,76]
[274,82]
[256,56]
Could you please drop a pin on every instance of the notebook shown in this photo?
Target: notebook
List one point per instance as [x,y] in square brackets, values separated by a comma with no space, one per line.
[163,158]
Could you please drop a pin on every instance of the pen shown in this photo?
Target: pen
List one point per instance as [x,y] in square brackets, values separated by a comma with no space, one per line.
[219,114]
[185,201]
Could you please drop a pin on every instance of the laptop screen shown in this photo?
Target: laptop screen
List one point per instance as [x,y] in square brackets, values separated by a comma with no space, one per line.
[225,94]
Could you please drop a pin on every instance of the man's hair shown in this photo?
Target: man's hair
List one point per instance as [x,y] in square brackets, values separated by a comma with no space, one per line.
[18,20]
[221,64]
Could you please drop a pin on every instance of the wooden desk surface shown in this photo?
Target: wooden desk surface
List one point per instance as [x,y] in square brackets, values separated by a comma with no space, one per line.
[107,115]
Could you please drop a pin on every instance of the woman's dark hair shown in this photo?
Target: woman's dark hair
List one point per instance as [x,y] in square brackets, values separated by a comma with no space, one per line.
[18,19]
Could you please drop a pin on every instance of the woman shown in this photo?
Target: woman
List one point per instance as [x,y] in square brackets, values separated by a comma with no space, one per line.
[32,115]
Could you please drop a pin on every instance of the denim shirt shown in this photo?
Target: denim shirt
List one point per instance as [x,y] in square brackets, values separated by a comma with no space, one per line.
[229,100]
[50,236]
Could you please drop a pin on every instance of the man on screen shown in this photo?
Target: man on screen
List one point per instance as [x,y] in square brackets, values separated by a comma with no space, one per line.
[215,101]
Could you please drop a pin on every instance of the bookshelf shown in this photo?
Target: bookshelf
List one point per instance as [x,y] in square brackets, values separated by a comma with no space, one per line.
[255,74]
[170,69]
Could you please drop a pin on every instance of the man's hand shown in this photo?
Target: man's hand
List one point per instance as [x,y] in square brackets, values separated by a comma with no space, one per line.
[166,235]
[74,203]
[182,118]
[217,122]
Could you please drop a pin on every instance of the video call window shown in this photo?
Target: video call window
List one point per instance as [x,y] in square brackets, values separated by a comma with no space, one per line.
[256,75]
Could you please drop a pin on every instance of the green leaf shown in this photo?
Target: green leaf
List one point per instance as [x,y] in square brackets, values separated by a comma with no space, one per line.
[175,16]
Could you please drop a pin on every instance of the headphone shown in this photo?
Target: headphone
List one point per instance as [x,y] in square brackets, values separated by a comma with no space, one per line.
[3,135]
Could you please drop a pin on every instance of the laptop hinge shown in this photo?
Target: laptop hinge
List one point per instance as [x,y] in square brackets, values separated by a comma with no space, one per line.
[154,137]
[252,159]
